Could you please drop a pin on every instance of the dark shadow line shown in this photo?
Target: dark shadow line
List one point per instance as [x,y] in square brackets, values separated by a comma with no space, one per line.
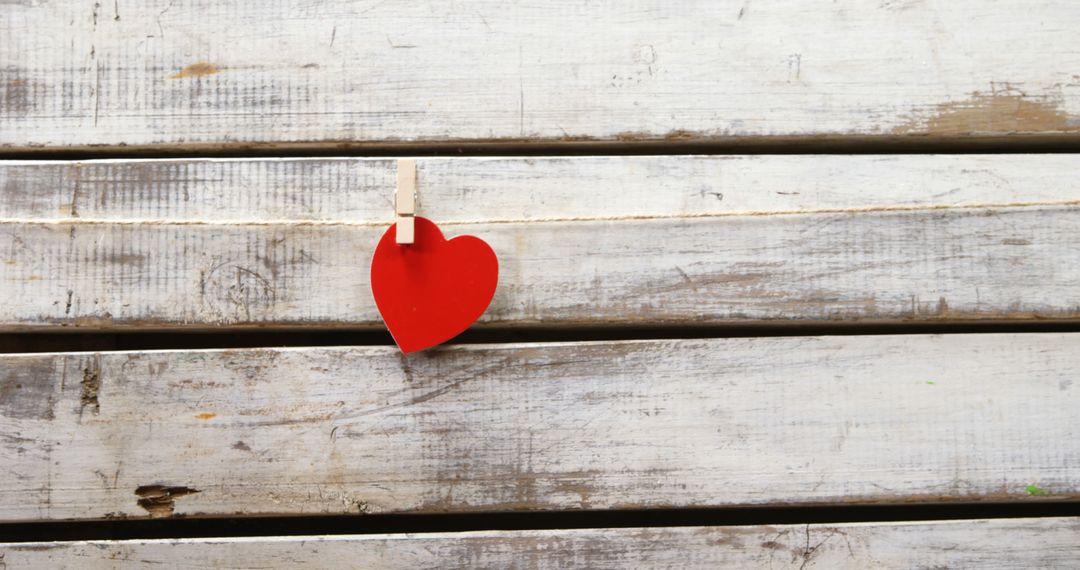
[125,340]
[179,527]
[804,144]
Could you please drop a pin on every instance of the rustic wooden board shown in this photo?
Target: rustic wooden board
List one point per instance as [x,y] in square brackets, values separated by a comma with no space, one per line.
[581,241]
[199,73]
[993,543]
[632,424]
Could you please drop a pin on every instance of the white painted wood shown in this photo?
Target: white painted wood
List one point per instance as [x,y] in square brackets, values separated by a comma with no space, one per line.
[591,240]
[471,190]
[984,544]
[633,424]
[200,73]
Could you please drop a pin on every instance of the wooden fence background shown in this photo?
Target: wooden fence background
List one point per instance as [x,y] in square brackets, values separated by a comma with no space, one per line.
[792,256]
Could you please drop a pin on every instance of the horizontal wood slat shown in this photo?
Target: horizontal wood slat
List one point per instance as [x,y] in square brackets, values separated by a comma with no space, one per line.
[1001,543]
[581,241]
[632,424]
[203,74]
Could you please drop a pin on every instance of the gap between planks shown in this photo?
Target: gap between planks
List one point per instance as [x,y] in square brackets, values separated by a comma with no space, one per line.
[255,526]
[748,146]
[51,340]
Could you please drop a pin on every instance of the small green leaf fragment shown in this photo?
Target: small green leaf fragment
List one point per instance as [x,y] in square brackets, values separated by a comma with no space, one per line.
[1033,490]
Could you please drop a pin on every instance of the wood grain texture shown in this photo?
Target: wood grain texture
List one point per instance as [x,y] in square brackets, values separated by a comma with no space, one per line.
[199,73]
[985,544]
[632,424]
[581,241]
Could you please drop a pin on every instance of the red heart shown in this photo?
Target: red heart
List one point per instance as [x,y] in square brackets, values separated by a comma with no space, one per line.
[432,290]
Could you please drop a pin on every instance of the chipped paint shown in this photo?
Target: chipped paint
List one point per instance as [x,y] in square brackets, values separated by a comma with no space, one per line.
[160,500]
[996,113]
[199,69]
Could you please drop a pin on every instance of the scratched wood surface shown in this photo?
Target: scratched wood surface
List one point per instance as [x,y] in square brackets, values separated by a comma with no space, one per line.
[205,74]
[582,241]
[630,424]
[1000,543]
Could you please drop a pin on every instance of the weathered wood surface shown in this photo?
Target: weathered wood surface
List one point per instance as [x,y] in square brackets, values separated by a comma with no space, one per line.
[987,544]
[200,73]
[581,241]
[632,424]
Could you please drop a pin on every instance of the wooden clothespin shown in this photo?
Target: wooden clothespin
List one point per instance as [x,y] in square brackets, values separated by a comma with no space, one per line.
[405,201]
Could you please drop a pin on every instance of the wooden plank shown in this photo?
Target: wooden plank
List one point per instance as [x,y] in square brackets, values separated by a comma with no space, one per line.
[581,241]
[632,424]
[986,543]
[203,74]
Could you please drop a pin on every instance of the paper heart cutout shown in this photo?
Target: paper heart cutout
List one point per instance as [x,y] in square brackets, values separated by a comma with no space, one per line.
[432,290]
